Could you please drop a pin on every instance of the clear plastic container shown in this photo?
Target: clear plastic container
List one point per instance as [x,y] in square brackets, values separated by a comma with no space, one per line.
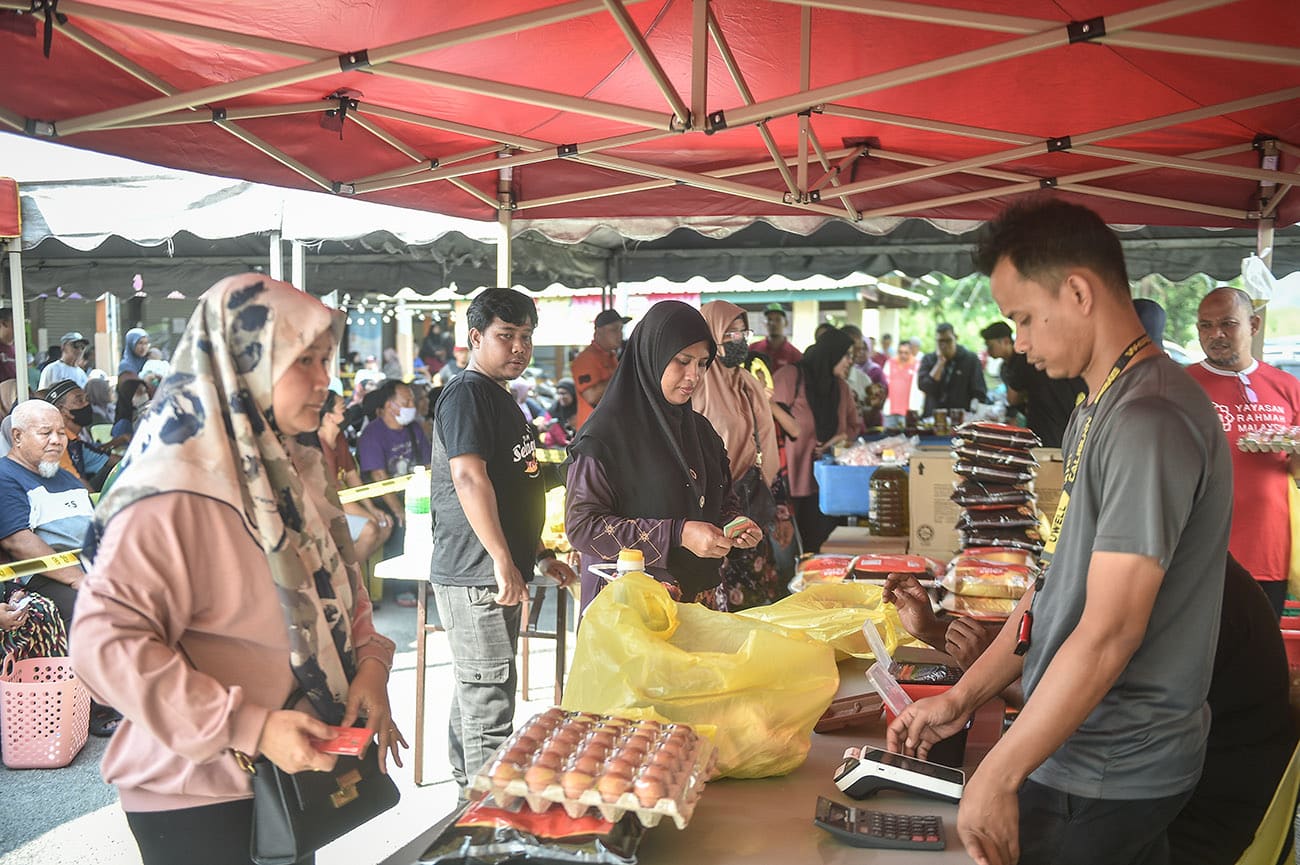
[419,520]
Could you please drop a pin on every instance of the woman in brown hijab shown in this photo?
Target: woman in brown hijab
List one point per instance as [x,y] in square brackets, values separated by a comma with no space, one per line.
[737,406]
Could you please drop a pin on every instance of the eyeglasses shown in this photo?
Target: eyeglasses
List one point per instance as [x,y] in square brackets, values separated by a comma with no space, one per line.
[732,335]
[1251,396]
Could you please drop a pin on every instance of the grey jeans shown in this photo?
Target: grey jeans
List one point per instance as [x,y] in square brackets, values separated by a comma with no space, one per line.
[483,637]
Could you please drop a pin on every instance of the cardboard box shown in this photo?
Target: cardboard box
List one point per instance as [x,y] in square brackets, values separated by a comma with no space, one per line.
[932,515]
[1051,475]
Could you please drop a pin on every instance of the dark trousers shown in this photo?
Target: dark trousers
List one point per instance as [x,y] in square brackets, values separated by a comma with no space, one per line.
[1060,829]
[814,526]
[63,596]
[1276,591]
[206,835]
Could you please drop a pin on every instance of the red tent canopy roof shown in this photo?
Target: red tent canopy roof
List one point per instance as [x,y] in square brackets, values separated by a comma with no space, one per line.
[943,110]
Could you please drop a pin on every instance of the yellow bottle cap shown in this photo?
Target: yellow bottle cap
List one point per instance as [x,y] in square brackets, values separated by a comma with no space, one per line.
[631,558]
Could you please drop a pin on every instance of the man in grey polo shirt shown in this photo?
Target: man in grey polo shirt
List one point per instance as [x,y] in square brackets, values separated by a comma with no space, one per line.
[1116,645]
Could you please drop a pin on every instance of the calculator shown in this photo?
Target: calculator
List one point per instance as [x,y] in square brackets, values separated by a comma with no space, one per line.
[862,828]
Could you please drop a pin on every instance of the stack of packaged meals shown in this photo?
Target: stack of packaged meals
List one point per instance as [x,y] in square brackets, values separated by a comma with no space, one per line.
[999,526]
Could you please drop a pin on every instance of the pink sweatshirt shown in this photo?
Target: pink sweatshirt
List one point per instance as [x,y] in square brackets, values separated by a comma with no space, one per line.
[177,575]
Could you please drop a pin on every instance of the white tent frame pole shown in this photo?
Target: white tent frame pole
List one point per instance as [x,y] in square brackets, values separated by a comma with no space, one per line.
[830,173]
[1167,42]
[747,96]
[1056,36]
[805,82]
[421,163]
[645,186]
[195,116]
[700,15]
[463,169]
[531,96]
[1078,140]
[297,268]
[217,93]
[427,164]
[636,39]
[730,187]
[454,127]
[1268,211]
[276,256]
[19,311]
[278,155]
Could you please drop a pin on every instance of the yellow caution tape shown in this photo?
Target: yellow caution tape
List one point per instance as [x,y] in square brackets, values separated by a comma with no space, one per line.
[378,488]
[27,567]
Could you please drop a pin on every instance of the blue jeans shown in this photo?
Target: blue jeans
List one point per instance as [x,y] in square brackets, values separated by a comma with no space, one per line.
[483,637]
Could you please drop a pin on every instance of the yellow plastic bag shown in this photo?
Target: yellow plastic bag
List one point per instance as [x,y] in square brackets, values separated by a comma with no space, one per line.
[834,613]
[761,686]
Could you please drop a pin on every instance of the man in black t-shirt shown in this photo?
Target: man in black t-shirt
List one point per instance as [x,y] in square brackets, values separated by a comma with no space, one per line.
[488,503]
[1047,402]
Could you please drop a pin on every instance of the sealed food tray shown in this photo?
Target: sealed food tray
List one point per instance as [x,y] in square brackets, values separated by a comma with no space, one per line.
[614,765]
[843,491]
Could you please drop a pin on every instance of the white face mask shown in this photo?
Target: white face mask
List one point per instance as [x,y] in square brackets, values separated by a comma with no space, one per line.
[405,415]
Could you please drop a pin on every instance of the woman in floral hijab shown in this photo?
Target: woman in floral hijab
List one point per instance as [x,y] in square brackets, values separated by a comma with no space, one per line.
[223,580]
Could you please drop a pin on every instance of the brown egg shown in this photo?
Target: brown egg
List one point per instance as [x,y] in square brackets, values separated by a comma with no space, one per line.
[568,735]
[538,778]
[637,742]
[576,783]
[550,759]
[601,737]
[672,747]
[503,772]
[621,766]
[587,764]
[665,760]
[555,713]
[612,786]
[649,790]
[648,726]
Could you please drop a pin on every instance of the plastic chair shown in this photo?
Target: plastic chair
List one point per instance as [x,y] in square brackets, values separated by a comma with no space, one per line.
[1271,837]
[101,433]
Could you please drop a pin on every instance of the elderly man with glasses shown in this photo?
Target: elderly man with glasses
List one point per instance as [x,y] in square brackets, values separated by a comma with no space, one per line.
[1250,396]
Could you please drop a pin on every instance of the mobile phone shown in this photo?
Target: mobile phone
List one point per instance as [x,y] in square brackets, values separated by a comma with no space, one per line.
[734,528]
[21,603]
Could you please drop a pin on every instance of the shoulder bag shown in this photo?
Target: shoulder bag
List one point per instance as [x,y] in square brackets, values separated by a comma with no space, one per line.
[297,813]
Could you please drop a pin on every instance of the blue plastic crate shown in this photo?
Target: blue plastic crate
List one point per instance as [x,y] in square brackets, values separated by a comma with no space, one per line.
[843,491]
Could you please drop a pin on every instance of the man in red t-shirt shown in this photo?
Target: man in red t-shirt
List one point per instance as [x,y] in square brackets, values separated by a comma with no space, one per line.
[1250,396]
[776,348]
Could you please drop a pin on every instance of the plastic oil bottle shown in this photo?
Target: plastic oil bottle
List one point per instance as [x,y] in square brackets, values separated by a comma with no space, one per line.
[887,505]
[419,521]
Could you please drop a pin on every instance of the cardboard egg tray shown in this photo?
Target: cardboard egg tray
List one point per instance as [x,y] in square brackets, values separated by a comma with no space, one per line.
[516,771]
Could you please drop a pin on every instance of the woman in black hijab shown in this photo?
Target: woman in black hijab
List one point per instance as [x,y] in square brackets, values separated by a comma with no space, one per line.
[646,471]
[815,392]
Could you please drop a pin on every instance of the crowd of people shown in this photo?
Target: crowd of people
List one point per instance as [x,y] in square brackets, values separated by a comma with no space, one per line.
[219,607]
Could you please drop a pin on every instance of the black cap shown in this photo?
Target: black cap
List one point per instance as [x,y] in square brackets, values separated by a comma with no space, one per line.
[996,330]
[609,316]
[59,390]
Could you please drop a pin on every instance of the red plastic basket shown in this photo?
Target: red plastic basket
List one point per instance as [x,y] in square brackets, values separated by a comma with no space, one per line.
[44,713]
[1292,640]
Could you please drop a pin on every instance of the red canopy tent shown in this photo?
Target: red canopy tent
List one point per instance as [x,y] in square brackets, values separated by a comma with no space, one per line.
[1176,113]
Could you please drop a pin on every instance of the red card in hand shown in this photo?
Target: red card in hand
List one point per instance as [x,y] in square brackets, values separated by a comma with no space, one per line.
[347,742]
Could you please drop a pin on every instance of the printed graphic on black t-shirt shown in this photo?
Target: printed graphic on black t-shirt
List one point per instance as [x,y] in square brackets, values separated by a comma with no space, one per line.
[475,415]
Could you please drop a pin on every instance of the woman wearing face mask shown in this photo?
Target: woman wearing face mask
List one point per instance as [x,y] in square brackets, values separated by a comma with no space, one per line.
[737,406]
[819,399]
[646,471]
[135,351]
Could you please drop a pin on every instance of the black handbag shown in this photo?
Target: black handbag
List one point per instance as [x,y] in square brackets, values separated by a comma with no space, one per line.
[297,813]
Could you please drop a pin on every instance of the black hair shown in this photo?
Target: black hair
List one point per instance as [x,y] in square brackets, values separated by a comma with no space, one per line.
[854,331]
[126,390]
[7,314]
[944,327]
[504,304]
[327,405]
[379,397]
[1044,237]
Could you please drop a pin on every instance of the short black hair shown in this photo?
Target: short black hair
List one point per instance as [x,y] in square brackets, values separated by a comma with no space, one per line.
[854,331]
[7,314]
[505,304]
[379,397]
[327,405]
[1044,237]
[944,327]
